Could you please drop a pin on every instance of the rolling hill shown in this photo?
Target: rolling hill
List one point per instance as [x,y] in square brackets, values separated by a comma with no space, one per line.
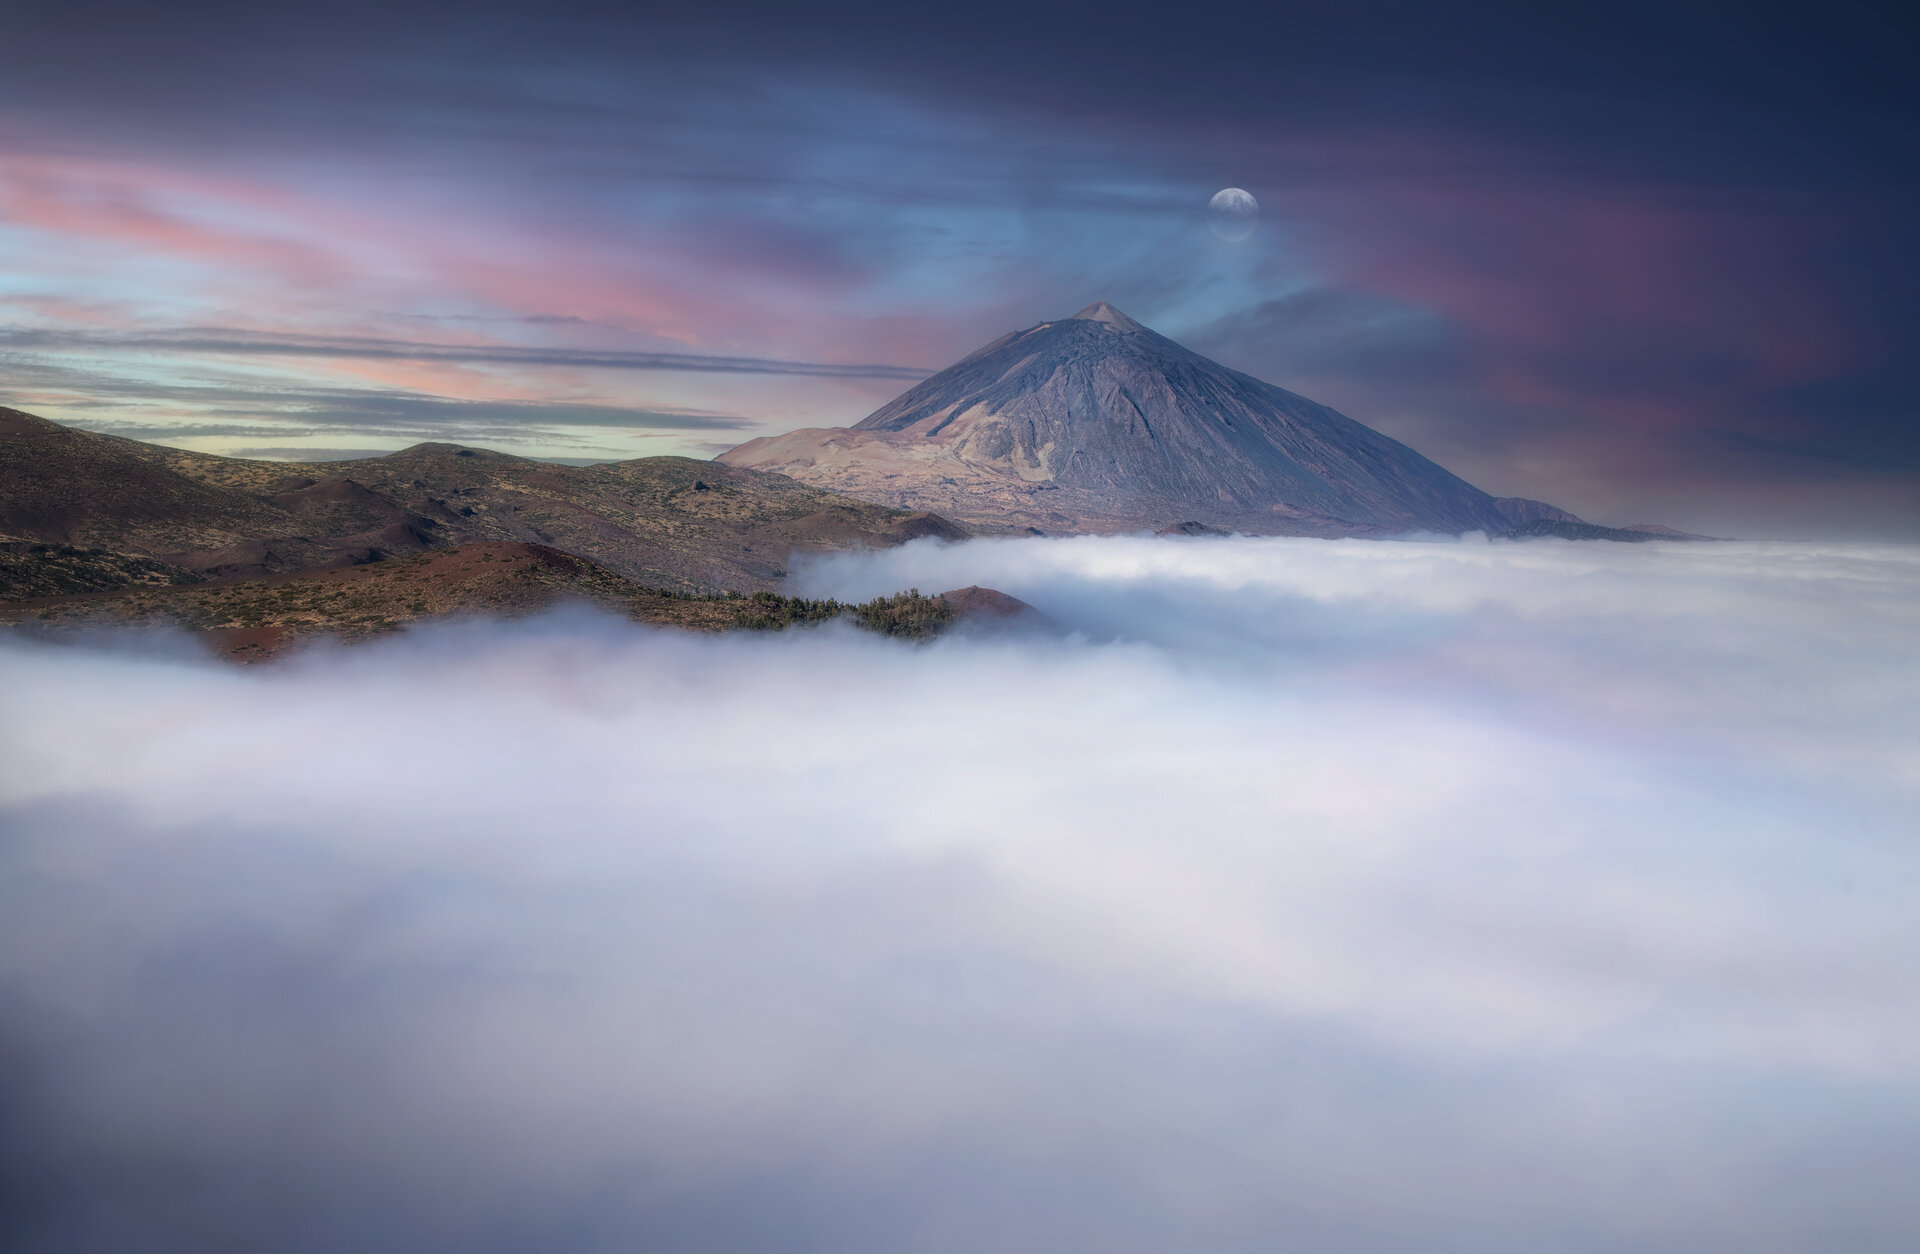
[670,522]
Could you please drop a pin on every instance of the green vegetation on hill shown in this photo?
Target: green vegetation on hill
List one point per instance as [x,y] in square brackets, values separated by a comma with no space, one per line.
[908,614]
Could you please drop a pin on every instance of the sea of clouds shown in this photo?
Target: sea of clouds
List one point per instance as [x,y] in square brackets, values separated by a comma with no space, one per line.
[1274,894]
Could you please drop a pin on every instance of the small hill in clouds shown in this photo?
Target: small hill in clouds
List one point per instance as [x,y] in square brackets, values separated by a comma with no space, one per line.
[252,617]
[1574,529]
[670,522]
[1095,423]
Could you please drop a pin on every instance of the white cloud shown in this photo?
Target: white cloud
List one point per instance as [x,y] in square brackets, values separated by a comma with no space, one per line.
[1337,896]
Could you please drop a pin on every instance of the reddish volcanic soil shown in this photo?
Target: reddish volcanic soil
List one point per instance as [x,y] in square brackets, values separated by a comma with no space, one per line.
[985,603]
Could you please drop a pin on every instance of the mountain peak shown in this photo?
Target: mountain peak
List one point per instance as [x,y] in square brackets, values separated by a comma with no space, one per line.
[1101,311]
[1077,430]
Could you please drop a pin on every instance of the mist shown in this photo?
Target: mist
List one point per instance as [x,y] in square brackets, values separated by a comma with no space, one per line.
[1265,894]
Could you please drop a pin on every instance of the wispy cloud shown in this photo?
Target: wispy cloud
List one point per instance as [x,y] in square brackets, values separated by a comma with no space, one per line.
[305,453]
[225,341]
[145,409]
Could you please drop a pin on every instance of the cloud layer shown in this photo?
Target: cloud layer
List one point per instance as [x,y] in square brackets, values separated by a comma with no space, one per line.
[1334,896]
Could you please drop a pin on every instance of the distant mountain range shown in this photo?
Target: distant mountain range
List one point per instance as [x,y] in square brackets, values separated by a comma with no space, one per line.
[95,529]
[1096,424]
[668,522]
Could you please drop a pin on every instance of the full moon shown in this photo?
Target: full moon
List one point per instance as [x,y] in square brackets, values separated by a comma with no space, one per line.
[1231,213]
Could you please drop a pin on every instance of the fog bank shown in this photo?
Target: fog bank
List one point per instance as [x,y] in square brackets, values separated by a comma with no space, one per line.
[1331,896]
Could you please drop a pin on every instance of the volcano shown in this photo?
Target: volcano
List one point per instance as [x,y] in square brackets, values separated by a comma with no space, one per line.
[1095,423]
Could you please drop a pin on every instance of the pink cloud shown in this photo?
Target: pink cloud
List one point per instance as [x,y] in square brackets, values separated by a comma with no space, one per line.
[131,209]
[1555,281]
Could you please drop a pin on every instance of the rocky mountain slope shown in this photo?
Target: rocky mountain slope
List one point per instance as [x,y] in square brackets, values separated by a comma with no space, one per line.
[1096,424]
[669,522]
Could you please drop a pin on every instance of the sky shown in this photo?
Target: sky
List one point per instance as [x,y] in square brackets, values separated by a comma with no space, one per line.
[1646,262]
[1350,897]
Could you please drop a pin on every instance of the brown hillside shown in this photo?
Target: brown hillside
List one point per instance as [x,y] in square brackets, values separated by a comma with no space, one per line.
[669,521]
[249,618]
[987,604]
[263,612]
[30,569]
[62,486]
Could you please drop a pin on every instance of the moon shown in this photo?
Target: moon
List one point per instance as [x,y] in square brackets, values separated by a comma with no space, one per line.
[1231,213]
